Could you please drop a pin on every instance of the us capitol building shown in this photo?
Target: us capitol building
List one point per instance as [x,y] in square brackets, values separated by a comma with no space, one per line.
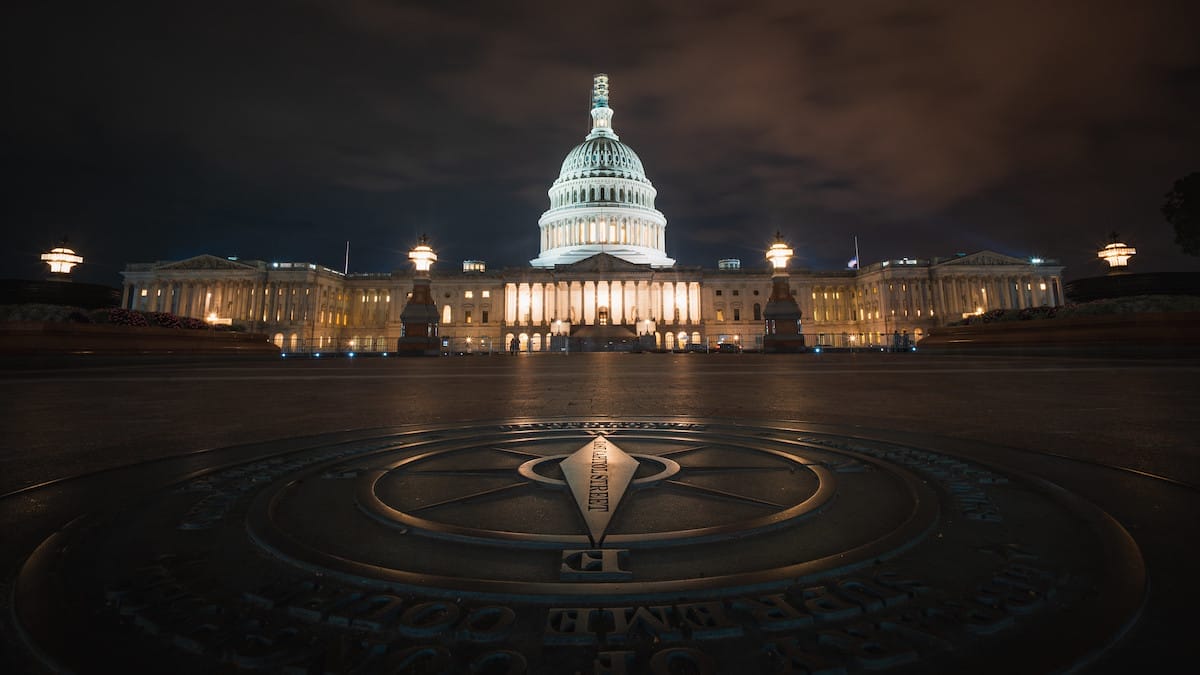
[602,280]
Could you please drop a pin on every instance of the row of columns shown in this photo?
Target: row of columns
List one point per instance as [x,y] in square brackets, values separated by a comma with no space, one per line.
[967,295]
[581,231]
[590,302]
[949,296]
[272,302]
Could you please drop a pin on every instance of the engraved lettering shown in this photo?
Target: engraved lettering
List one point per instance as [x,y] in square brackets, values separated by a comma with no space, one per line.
[428,618]
[707,620]
[869,596]
[827,607]
[486,624]
[569,625]
[373,613]
[595,565]
[653,621]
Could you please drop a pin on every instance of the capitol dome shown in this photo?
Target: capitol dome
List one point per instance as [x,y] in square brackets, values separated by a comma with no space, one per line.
[602,157]
[602,201]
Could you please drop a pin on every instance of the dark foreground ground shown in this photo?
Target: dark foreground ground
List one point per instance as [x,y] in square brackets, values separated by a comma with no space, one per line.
[1120,433]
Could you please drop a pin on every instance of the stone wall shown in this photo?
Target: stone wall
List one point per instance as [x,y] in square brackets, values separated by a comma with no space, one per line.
[1142,332]
[43,337]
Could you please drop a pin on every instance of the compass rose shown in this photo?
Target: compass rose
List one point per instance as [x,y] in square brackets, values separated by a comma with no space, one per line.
[598,475]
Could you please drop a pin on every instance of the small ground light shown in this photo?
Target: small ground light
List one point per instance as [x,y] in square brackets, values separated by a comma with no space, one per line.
[385,353]
[317,355]
[816,350]
[351,354]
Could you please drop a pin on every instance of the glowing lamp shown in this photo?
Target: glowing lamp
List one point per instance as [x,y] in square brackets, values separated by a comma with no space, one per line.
[780,253]
[61,260]
[1116,254]
[422,256]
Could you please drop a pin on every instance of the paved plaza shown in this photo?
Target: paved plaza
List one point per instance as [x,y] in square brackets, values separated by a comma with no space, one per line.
[1046,503]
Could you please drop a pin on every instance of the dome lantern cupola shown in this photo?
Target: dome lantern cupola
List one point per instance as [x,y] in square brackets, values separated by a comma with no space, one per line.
[601,113]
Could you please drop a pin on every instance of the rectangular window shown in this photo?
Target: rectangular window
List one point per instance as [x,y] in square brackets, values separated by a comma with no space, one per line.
[487,294]
[468,294]
[467,316]
[720,315]
[718,291]
[737,313]
[736,292]
[485,314]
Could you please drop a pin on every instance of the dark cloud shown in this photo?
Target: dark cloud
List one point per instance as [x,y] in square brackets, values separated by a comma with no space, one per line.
[281,129]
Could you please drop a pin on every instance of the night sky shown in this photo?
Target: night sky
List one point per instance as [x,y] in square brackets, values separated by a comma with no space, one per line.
[280,130]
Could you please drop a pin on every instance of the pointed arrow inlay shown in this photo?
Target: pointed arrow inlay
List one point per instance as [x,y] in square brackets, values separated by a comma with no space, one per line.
[598,474]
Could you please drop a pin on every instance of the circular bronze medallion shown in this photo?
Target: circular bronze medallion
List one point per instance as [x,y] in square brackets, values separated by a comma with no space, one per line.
[589,546]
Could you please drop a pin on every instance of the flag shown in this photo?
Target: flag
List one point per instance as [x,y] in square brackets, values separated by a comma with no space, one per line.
[853,264]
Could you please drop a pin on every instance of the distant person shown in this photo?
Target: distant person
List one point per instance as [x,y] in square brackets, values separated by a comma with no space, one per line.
[514,347]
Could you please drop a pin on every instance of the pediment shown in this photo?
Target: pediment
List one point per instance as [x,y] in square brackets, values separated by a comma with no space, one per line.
[984,258]
[602,262]
[206,262]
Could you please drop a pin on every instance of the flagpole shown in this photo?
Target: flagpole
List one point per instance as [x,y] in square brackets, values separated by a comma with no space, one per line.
[856,258]
[346,270]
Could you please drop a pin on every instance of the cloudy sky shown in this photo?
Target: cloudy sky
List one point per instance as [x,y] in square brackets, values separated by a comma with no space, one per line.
[280,130]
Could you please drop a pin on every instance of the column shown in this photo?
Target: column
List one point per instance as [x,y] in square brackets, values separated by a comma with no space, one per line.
[536,305]
[589,302]
[523,310]
[668,302]
[576,309]
[603,300]
[693,289]
[549,302]
[616,302]
[510,303]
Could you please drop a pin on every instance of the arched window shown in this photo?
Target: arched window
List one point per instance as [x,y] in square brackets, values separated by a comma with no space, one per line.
[621,194]
[591,194]
[279,340]
[446,314]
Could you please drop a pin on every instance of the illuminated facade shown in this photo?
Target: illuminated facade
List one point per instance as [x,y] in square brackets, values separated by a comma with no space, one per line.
[602,280]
